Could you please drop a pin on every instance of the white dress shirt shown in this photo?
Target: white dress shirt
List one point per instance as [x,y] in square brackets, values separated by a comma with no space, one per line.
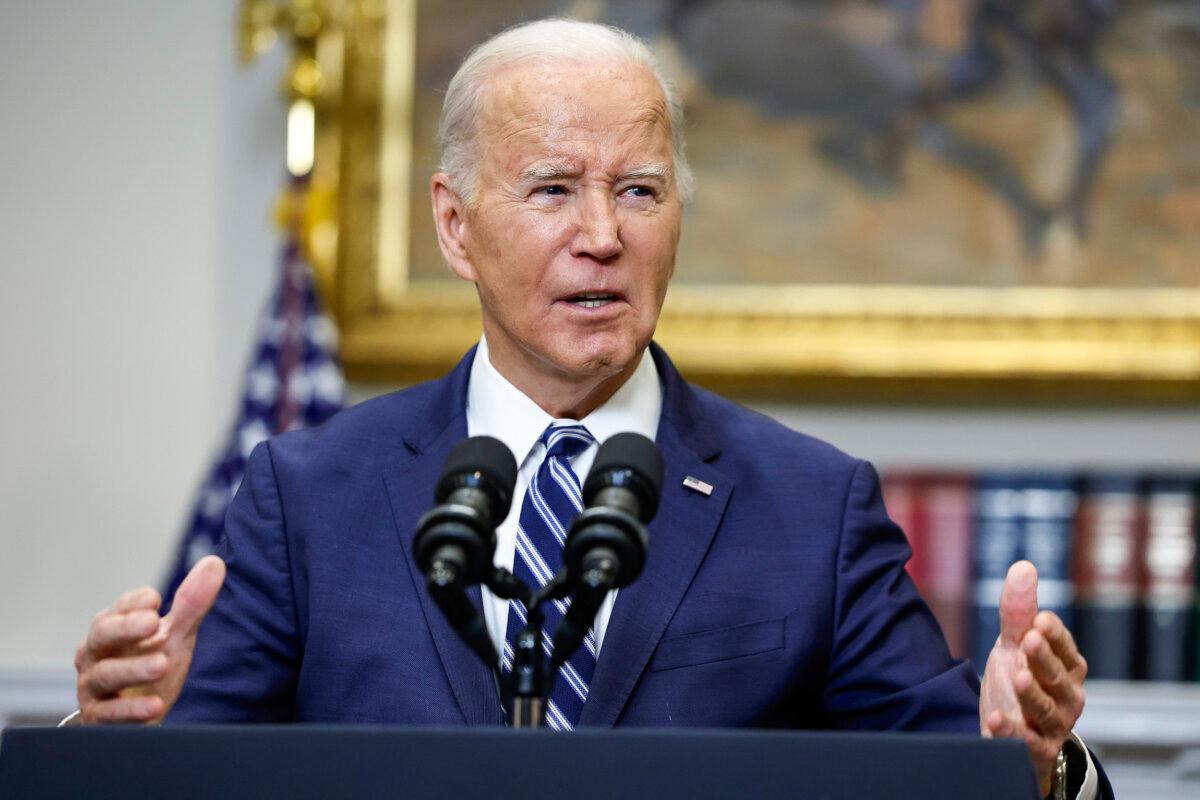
[497,408]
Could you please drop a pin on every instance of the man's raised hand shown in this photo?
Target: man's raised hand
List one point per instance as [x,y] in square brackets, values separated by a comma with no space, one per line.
[1033,683]
[133,663]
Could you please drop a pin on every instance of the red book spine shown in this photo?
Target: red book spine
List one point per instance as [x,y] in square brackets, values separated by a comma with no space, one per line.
[936,510]
[1106,557]
[900,496]
[947,504]
[1108,542]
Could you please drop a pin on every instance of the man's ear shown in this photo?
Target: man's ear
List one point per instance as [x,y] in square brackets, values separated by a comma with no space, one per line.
[450,221]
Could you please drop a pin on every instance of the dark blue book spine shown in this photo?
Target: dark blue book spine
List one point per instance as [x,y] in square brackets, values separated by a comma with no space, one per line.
[1169,563]
[999,541]
[1051,501]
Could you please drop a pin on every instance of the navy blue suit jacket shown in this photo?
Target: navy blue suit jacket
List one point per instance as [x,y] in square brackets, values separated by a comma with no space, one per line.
[780,600]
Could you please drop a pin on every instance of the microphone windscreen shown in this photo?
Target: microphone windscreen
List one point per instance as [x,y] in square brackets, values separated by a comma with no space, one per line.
[482,462]
[627,453]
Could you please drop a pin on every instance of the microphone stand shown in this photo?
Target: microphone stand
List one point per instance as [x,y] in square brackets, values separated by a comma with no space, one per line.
[530,683]
[526,690]
[529,689]
[524,695]
[450,595]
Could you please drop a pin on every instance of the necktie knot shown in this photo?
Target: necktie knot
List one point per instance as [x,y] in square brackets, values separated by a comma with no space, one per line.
[566,441]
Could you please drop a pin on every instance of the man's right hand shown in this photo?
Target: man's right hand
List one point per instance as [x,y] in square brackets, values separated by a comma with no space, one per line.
[133,663]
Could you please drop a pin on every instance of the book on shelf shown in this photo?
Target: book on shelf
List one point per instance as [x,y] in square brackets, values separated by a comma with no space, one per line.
[1169,565]
[1108,546]
[948,508]
[999,541]
[935,511]
[1048,528]
[1116,554]
[1021,515]
[900,490]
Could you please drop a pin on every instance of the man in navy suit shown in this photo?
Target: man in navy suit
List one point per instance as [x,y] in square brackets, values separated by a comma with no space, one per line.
[774,593]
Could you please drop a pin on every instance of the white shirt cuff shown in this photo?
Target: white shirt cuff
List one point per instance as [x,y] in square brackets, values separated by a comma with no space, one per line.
[1091,779]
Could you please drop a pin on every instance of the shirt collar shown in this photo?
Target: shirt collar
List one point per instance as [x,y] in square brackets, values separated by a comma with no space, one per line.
[497,408]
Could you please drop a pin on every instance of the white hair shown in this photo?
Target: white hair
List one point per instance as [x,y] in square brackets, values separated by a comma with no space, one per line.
[542,41]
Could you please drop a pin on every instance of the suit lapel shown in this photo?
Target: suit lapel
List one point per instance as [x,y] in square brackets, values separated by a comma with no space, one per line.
[680,536]
[410,483]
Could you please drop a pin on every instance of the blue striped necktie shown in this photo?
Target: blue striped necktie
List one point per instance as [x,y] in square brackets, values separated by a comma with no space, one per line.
[551,502]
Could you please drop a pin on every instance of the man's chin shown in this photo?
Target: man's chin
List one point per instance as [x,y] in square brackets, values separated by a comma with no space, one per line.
[602,359]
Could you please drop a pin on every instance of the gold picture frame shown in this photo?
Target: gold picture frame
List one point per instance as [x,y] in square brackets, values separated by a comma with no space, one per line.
[895,343]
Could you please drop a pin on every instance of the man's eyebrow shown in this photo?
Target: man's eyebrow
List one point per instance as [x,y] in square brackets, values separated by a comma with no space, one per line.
[646,171]
[549,171]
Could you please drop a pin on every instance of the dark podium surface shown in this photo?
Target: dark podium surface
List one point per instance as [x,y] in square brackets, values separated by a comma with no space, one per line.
[298,761]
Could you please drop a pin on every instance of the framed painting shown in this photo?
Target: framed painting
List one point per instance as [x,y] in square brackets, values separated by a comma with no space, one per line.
[895,199]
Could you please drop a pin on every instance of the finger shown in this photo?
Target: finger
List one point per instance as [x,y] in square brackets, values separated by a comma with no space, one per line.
[1048,669]
[83,656]
[137,600]
[1061,641]
[197,594]
[110,633]
[124,709]
[1000,726]
[111,675]
[1038,708]
[1018,601]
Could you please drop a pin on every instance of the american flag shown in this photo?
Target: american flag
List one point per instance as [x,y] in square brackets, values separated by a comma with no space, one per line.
[293,381]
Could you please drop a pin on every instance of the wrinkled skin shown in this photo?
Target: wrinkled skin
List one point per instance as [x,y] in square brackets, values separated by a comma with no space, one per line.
[132,663]
[1033,683]
[575,194]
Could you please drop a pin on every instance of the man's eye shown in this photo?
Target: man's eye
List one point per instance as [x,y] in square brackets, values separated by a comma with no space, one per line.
[640,191]
[553,190]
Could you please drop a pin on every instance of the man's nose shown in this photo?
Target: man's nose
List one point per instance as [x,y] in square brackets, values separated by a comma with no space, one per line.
[599,234]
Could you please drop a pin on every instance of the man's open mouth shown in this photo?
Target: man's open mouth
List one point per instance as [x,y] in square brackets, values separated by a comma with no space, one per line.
[592,300]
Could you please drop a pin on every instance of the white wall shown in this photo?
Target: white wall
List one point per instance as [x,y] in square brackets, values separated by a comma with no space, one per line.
[136,171]
[1142,438]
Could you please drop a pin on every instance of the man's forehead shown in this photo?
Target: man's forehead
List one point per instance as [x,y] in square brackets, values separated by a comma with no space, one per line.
[572,76]
[546,103]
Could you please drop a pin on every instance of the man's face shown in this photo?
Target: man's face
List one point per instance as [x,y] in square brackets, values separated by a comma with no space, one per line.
[572,234]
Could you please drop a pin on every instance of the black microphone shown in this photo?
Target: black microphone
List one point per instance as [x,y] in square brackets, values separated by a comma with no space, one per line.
[456,540]
[606,545]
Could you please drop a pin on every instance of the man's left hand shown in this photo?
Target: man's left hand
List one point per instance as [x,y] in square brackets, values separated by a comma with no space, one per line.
[1033,682]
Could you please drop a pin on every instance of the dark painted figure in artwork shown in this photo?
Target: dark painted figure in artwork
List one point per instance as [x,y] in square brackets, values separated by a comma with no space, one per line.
[863,67]
[1059,38]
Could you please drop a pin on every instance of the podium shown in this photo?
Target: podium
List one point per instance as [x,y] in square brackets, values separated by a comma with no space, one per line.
[302,761]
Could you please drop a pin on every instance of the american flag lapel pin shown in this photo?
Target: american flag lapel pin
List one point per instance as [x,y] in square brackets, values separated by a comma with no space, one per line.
[697,485]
